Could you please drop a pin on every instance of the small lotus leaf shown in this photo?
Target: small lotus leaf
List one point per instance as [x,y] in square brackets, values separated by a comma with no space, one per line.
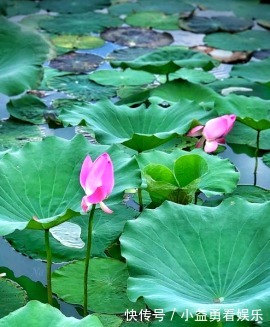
[153,19]
[31,313]
[106,287]
[21,7]
[213,258]
[250,40]
[206,25]
[192,75]
[77,42]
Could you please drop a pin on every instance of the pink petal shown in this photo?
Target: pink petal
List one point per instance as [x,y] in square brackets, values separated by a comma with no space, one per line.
[108,176]
[196,131]
[215,128]
[98,195]
[200,143]
[105,208]
[210,146]
[230,122]
[86,166]
[84,204]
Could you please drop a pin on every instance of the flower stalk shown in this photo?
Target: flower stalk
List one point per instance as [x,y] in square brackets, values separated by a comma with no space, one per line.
[256,158]
[48,266]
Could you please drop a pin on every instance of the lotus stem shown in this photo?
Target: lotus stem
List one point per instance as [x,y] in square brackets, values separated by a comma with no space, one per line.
[87,260]
[140,199]
[256,158]
[48,266]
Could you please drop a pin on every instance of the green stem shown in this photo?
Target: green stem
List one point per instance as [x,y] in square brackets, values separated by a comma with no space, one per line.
[256,158]
[140,199]
[48,266]
[87,260]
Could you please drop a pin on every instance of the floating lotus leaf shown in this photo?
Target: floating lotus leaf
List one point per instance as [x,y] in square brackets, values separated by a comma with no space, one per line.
[37,193]
[213,258]
[21,7]
[32,311]
[264,23]
[252,111]
[75,6]
[137,37]
[184,8]
[106,287]
[77,42]
[250,40]
[28,108]
[79,24]
[243,134]
[206,25]
[81,87]
[211,183]
[109,320]
[15,134]
[32,21]
[253,71]
[124,8]
[192,75]
[20,66]
[266,159]
[118,78]
[146,128]
[127,54]
[76,62]
[106,229]
[14,297]
[241,86]
[153,19]
[167,60]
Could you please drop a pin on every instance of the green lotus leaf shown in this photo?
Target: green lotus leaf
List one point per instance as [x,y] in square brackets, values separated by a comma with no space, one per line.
[128,54]
[106,287]
[21,7]
[146,128]
[75,6]
[205,25]
[179,185]
[170,7]
[243,134]
[192,75]
[214,258]
[20,66]
[254,194]
[106,230]
[251,111]
[50,316]
[212,183]
[250,40]
[37,193]
[167,60]
[254,71]
[81,87]
[109,320]
[241,86]
[266,159]
[15,134]
[13,295]
[124,8]
[153,19]
[118,78]
[28,108]
[32,21]
[264,23]
[77,42]
[79,24]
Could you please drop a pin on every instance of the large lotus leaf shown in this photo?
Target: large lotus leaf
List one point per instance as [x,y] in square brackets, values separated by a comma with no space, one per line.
[106,287]
[15,134]
[243,134]
[20,66]
[51,317]
[205,25]
[250,40]
[79,24]
[81,87]
[251,111]
[118,78]
[192,75]
[124,8]
[167,60]
[109,320]
[75,6]
[154,19]
[21,7]
[40,183]
[77,42]
[198,258]
[28,108]
[170,7]
[266,159]
[254,71]
[106,229]
[212,183]
[13,297]
[241,86]
[138,128]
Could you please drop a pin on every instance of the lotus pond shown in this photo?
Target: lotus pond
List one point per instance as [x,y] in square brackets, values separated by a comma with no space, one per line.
[134,163]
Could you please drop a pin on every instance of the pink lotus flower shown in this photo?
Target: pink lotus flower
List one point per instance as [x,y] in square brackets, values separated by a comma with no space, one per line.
[97,180]
[213,132]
